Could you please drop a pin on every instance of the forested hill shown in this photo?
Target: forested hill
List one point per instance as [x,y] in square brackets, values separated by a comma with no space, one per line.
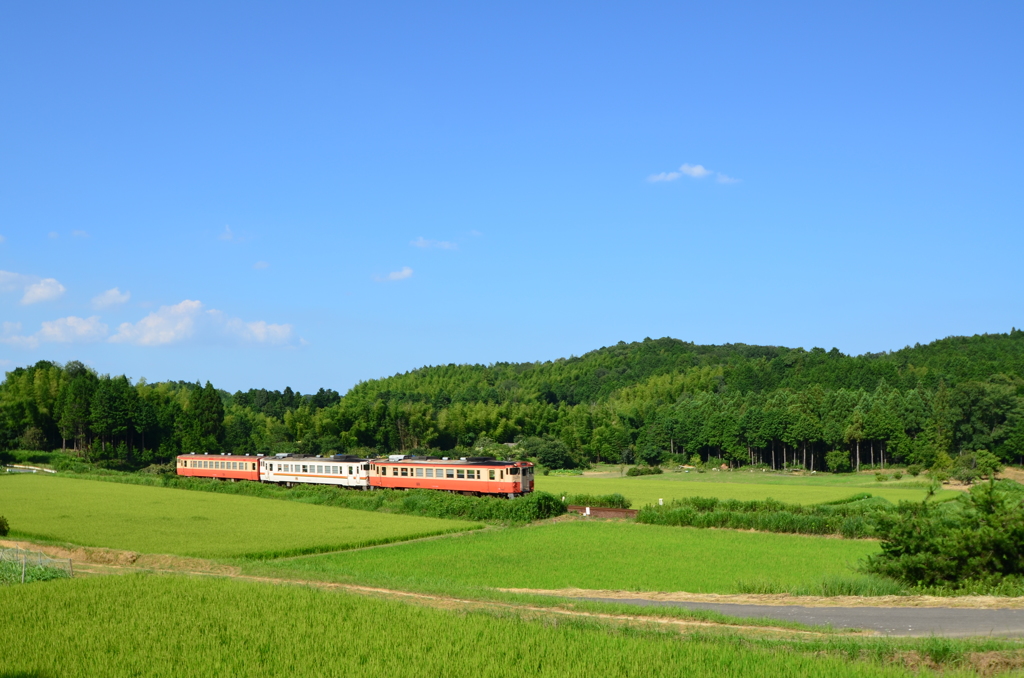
[596,376]
[642,401]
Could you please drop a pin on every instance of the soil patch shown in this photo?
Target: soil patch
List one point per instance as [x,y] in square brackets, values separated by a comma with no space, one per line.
[782,599]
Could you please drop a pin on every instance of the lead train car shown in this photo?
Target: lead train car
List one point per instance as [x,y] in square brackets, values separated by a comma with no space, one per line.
[465,476]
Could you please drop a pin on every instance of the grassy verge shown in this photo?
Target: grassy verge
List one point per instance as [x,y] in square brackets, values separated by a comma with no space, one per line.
[427,503]
[205,525]
[176,626]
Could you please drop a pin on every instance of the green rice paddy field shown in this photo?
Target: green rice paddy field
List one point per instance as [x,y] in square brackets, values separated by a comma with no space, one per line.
[151,625]
[200,524]
[589,555]
[740,484]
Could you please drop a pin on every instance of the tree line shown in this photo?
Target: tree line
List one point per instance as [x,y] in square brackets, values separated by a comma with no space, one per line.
[641,402]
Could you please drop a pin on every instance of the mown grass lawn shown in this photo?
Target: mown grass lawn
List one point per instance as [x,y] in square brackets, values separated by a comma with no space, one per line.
[739,484]
[590,555]
[151,625]
[201,524]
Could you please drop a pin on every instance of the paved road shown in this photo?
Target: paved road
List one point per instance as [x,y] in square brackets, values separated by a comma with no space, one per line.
[893,621]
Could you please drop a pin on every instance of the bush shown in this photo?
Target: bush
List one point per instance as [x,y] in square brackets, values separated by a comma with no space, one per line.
[897,475]
[5,527]
[970,466]
[978,536]
[644,471]
[881,477]
[914,470]
[838,461]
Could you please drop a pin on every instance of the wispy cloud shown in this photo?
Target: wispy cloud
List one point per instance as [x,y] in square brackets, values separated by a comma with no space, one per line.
[693,171]
[406,272]
[71,329]
[79,234]
[260,265]
[111,297]
[433,244]
[2,239]
[53,235]
[191,320]
[227,235]
[33,288]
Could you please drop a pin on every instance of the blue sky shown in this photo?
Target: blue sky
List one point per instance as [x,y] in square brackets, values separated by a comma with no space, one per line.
[314,194]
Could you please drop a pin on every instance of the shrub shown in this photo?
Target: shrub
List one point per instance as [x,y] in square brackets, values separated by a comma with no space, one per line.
[897,475]
[914,470]
[645,471]
[978,536]
[970,466]
[881,477]
[5,527]
[838,461]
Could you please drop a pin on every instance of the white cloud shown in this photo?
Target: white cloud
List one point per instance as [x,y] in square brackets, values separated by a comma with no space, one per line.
[433,244]
[664,176]
[260,265]
[694,171]
[53,235]
[111,297]
[406,272]
[228,234]
[72,329]
[2,239]
[79,234]
[46,289]
[188,319]
[63,330]
[167,325]
[475,233]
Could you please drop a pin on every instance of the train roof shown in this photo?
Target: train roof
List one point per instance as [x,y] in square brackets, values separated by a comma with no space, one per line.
[441,461]
[338,458]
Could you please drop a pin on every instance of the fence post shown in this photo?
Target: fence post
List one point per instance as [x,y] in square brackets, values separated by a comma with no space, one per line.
[23,569]
[71,568]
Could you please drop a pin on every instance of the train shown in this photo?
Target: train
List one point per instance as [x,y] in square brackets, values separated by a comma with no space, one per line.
[477,476]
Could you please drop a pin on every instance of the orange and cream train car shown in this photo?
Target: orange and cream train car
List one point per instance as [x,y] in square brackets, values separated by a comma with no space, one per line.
[473,475]
[224,466]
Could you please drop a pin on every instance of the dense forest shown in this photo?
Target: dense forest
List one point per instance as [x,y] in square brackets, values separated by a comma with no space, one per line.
[642,402]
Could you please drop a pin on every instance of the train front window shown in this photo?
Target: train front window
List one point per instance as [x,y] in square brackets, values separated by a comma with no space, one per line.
[513,471]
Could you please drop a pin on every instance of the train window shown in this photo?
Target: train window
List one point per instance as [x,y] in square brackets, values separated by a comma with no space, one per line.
[234,466]
[366,467]
[383,470]
[450,473]
[513,471]
[430,473]
[394,470]
[405,471]
[305,468]
[491,474]
[419,473]
[502,475]
[461,473]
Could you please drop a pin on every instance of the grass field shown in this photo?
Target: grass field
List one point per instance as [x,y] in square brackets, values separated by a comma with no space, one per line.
[149,625]
[590,555]
[743,485]
[207,525]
